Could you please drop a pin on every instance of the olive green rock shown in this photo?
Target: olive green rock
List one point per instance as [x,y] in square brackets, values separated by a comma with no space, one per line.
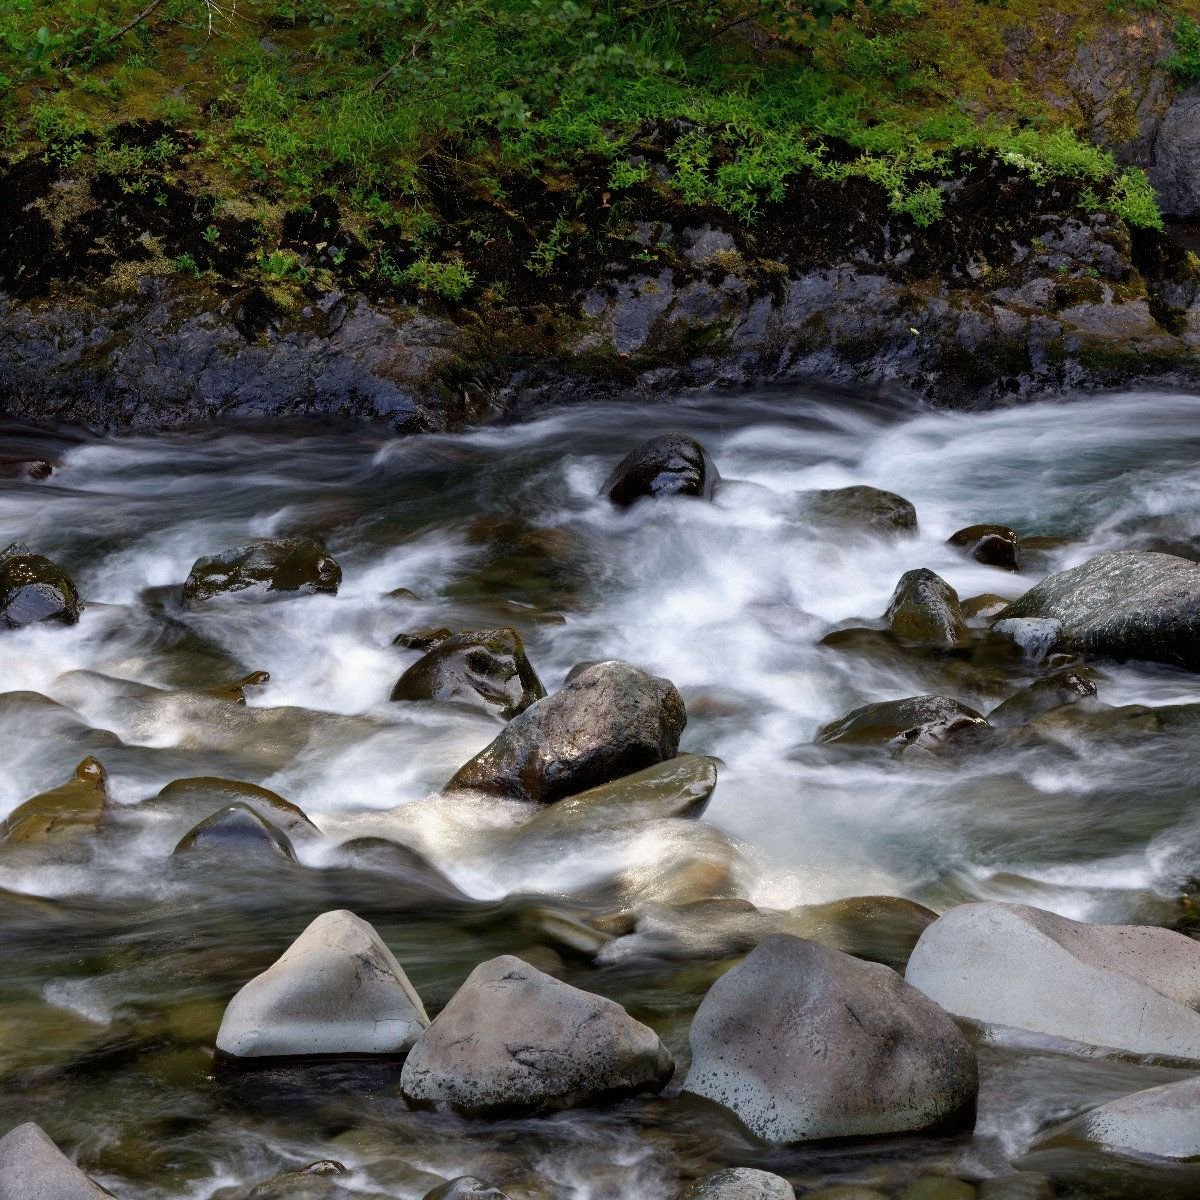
[861,509]
[34,589]
[67,813]
[992,545]
[924,610]
[297,566]
[184,802]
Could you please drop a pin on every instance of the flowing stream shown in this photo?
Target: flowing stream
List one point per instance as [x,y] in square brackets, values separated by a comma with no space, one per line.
[114,972]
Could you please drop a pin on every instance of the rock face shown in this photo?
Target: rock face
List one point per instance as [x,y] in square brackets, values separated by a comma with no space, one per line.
[337,990]
[1159,1121]
[860,508]
[63,815]
[233,833]
[923,721]
[1125,605]
[992,545]
[804,1043]
[513,1040]
[609,721]
[671,464]
[740,1183]
[298,566]
[1119,986]
[486,666]
[924,609]
[33,589]
[32,1167]
[1175,167]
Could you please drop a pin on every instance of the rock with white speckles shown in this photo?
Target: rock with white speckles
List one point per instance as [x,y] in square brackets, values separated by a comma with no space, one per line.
[32,1167]
[803,1043]
[514,1040]
[740,1183]
[1125,987]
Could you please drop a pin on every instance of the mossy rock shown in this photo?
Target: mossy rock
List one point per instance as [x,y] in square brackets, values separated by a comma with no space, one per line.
[924,610]
[264,569]
[861,509]
[68,813]
[34,589]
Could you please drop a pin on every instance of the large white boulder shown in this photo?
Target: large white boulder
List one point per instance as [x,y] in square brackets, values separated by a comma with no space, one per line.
[32,1167]
[337,990]
[1121,986]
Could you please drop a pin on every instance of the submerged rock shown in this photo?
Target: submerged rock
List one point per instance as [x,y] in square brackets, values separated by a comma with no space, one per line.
[514,1040]
[981,609]
[411,868]
[295,565]
[313,1182]
[184,802]
[32,1167]
[465,1187]
[739,1183]
[804,1043]
[926,722]
[235,832]
[992,545]
[487,666]
[1124,987]
[671,464]
[423,637]
[611,720]
[924,610]
[66,814]
[1066,686]
[26,468]
[33,589]
[337,990]
[862,509]
[1124,605]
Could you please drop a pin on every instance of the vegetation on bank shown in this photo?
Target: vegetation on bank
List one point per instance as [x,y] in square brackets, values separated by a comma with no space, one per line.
[398,126]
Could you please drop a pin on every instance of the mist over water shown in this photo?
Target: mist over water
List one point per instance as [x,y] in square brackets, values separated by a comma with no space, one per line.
[110,991]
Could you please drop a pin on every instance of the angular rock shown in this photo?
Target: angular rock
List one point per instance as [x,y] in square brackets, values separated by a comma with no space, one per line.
[1129,605]
[294,565]
[671,464]
[32,1167]
[1066,686]
[423,638]
[992,545]
[465,1187]
[926,722]
[337,990]
[611,720]
[34,589]
[66,814]
[513,1040]
[485,666]
[924,610]
[184,802]
[236,833]
[739,1183]
[860,508]
[1123,987]
[803,1043]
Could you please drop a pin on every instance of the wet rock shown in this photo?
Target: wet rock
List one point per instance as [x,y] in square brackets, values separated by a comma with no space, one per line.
[293,566]
[66,814]
[423,638]
[1123,605]
[924,610]
[739,1183]
[515,1040]
[854,1051]
[992,545]
[465,1187]
[1017,1185]
[520,559]
[1123,987]
[1035,637]
[411,868]
[486,666]
[1160,1121]
[880,929]
[33,589]
[184,802]
[238,835]
[1175,166]
[26,468]
[610,721]
[924,722]
[863,509]
[671,464]
[32,1167]
[984,608]
[235,692]
[702,930]
[313,1182]
[1066,686]
[337,990]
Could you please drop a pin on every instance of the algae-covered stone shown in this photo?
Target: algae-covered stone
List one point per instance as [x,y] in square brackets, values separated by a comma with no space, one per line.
[924,610]
[34,589]
[32,1167]
[923,721]
[184,802]
[294,566]
[485,666]
[235,833]
[861,509]
[739,1183]
[68,813]
[992,545]
[671,464]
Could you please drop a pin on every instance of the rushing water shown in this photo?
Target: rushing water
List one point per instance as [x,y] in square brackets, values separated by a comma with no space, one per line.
[115,972]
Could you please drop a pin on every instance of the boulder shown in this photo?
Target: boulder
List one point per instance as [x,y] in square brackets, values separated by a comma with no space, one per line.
[926,722]
[1035,637]
[337,990]
[1066,686]
[861,509]
[26,468]
[485,666]
[465,1187]
[924,610]
[1125,605]
[236,833]
[803,1043]
[1160,1121]
[184,802]
[423,637]
[66,814]
[514,1040]
[32,1167]
[1123,987]
[611,720]
[983,608]
[294,565]
[992,545]
[33,589]
[313,1182]
[671,464]
[739,1183]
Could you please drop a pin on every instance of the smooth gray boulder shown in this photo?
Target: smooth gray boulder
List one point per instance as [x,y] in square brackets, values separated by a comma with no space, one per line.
[32,1167]
[611,720]
[1128,605]
[336,990]
[671,464]
[804,1043]
[515,1040]
[34,589]
[1124,987]
[264,569]
[739,1183]
[924,610]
